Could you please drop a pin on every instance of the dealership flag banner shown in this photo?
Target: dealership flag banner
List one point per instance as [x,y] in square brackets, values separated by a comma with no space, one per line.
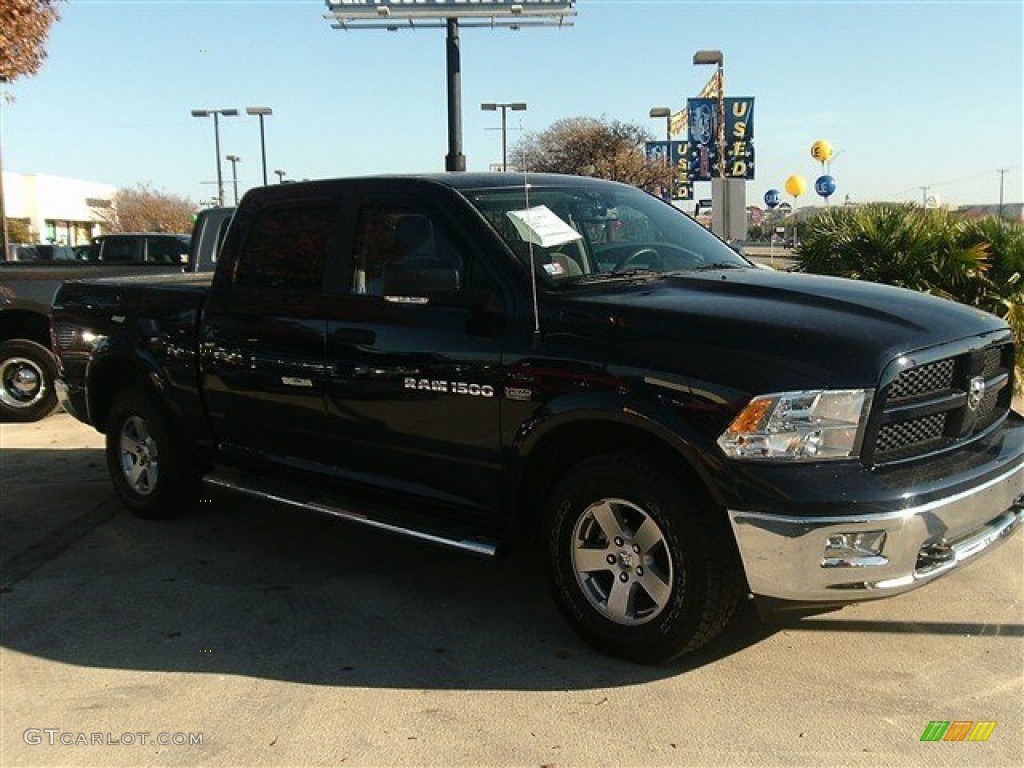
[704,161]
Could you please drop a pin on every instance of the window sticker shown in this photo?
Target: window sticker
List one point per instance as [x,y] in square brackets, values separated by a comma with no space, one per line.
[540,226]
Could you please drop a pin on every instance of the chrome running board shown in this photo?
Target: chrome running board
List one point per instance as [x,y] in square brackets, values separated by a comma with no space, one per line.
[421,527]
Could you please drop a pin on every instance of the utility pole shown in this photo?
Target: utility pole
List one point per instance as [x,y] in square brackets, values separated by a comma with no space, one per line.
[3,209]
[1002,174]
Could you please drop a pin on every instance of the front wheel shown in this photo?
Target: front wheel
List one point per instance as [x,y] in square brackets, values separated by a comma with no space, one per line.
[640,563]
[27,371]
[152,475]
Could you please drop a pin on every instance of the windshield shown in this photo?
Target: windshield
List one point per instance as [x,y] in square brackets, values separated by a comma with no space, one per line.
[594,231]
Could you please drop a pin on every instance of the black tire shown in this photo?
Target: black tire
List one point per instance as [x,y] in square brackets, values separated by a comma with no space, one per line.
[27,371]
[645,598]
[152,475]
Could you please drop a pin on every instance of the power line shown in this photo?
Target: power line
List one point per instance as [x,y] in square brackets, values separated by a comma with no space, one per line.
[960,180]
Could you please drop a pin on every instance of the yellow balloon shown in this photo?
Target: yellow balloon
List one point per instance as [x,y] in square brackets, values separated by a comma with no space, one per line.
[796,185]
[821,151]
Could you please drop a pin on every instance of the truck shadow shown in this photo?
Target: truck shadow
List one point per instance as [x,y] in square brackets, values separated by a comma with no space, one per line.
[244,589]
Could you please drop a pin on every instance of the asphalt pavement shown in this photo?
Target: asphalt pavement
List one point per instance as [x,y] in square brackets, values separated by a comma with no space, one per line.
[249,635]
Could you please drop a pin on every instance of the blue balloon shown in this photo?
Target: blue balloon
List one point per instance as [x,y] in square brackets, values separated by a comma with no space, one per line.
[772,198]
[825,186]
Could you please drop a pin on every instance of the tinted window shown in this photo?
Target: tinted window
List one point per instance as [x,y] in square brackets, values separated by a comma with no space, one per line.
[124,250]
[286,249]
[166,250]
[403,252]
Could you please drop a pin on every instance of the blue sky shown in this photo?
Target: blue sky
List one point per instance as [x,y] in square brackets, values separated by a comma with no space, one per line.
[910,94]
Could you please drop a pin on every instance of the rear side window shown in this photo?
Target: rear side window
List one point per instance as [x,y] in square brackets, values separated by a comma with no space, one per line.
[122,250]
[166,250]
[286,249]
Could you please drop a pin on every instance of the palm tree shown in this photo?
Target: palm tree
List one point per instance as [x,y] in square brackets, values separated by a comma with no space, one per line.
[980,263]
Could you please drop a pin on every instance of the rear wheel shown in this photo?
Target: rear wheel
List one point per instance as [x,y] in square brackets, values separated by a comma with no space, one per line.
[152,475]
[641,564]
[27,371]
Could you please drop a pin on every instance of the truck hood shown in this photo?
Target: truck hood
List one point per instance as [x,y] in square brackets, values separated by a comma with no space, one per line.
[761,329]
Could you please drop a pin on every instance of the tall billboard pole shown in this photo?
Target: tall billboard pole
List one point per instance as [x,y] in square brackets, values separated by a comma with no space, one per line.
[454,160]
[393,15]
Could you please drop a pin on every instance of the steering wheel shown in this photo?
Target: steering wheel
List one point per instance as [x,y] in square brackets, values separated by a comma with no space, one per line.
[645,250]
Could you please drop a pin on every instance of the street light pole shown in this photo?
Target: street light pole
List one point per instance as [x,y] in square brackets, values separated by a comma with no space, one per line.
[722,205]
[280,176]
[216,140]
[515,106]
[234,160]
[261,112]
[666,112]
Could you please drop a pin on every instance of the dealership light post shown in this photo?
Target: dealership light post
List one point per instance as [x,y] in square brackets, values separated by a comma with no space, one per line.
[261,112]
[515,106]
[665,112]
[216,113]
[234,160]
[393,15]
[722,205]
[716,58]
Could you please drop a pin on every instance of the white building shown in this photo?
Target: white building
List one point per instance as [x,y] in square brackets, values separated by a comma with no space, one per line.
[56,209]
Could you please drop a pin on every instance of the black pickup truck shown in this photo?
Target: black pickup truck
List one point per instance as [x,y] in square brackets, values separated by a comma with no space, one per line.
[27,287]
[481,360]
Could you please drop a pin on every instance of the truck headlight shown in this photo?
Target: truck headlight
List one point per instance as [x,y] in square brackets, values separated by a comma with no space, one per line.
[815,425]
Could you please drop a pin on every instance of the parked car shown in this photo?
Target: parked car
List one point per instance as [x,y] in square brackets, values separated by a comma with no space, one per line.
[27,286]
[140,248]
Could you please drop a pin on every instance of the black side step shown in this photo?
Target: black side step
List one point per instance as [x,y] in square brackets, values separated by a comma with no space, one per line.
[421,526]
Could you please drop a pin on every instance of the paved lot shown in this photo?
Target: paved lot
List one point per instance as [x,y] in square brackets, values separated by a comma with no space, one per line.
[289,640]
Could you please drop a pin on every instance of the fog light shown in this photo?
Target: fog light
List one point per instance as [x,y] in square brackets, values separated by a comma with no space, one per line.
[854,550]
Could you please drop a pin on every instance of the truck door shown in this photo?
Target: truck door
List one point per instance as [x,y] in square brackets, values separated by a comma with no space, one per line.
[262,337]
[413,356]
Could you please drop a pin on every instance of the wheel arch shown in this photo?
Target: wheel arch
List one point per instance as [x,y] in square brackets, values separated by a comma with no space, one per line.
[583,434]
[16,324]
[108,376]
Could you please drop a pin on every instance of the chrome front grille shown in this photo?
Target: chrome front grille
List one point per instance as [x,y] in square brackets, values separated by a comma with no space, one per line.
[941,403]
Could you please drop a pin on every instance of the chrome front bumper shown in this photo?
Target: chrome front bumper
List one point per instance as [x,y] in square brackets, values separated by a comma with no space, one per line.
[785,557]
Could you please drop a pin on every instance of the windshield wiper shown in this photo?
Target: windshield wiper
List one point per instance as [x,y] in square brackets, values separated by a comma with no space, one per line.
[607,277]
[716,265]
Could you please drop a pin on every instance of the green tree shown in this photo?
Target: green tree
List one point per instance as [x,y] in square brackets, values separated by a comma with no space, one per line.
[980,263]
[18,231]
[587,146]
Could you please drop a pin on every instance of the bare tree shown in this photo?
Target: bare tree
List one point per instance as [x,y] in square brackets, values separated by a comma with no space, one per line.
[587,146]
[24,25]
[144,209]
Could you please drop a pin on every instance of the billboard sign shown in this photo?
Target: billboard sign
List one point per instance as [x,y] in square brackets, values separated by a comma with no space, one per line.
[364,13]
